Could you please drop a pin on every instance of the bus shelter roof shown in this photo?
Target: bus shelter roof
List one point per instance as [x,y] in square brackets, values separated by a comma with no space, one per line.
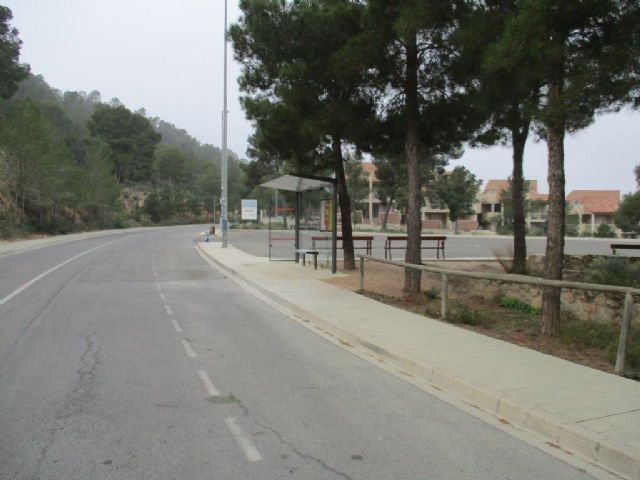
[299,183]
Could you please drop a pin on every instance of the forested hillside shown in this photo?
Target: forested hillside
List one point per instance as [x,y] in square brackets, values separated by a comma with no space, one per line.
[69,161]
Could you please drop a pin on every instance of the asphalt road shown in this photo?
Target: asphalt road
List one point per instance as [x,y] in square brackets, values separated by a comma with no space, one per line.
[256,242]
[129,357]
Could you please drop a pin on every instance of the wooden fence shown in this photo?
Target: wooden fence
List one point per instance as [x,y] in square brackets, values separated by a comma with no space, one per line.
[625,326]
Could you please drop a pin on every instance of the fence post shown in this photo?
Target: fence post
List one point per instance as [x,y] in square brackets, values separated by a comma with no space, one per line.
[444,309]
[625,327]
[362,274]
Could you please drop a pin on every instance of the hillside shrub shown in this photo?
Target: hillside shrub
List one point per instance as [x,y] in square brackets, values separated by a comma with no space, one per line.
[614,271]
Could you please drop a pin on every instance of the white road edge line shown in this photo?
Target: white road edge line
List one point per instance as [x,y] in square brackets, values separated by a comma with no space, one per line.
[208,384]
[51,270]
[187,348]
[247,446]
[167,309]
[176,326]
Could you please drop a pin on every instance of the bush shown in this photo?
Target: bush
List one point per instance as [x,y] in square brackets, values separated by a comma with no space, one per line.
[504,230]
[504,256]
[605,231]
[539,231]
[614,271]
[467,316]
[9,230]
[574,331]
[433,293]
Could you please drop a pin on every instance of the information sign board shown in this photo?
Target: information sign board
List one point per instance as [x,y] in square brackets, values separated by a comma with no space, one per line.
[249,209]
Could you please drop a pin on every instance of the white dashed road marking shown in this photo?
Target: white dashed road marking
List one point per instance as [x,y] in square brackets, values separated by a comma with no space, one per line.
[247,446]
[158,287]
[188,349]
[176,326]
[208,384]
[163,297]
[167,309]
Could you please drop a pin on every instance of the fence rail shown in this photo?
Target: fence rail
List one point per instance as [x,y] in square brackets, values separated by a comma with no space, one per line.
[628,292]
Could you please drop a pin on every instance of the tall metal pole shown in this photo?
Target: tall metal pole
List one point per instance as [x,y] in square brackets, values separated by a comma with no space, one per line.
[224,223]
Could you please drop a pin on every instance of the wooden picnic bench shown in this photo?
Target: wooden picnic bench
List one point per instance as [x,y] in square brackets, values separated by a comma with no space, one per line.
[367,239]
[624,246]
[439,247]
[307,251]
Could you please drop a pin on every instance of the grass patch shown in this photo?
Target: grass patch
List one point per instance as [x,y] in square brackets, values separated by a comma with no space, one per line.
[585,334]
[518,305]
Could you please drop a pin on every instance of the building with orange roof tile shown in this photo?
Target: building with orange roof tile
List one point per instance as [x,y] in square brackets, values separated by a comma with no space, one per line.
[490,209]
[594,208]
[434,217]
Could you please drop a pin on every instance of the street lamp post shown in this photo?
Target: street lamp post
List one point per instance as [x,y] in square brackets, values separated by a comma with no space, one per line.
[224,224]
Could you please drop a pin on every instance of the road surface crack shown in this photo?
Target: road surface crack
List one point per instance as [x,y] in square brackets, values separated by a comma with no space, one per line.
[281,438]
[81,394]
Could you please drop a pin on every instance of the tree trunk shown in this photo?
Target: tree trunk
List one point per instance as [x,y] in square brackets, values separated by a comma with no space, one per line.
[412,149]
[519,139]
[345,204]
[555,128]
[385,218]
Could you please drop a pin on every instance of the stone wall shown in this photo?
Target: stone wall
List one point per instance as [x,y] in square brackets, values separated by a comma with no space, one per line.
[586,305]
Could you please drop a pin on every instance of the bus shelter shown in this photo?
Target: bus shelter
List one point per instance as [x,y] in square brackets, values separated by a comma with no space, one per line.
[303,183]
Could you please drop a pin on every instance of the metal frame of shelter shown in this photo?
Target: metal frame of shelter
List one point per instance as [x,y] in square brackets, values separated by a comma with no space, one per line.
[303,183]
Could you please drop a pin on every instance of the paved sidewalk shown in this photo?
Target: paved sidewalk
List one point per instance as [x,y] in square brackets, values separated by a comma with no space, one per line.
[584,411]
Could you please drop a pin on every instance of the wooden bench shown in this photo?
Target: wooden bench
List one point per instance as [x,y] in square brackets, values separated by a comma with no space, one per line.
[307,251]
[367,239]
[439,247]
[624,246]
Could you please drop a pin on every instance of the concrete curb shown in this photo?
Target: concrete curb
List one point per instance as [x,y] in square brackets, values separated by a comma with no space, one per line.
[571,438]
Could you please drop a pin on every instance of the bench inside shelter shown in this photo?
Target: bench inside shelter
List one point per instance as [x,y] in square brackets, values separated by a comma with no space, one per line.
[308,251]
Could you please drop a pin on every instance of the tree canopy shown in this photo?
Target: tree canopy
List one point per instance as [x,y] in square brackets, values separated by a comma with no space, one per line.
[58,178]
[303,86]
[627,217]
[130,138]
[457,190]
[11,70]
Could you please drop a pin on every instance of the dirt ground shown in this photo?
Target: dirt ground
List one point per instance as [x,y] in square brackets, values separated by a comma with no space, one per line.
[385,282]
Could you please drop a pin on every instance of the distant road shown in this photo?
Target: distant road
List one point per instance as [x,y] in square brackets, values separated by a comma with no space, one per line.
[256,242]
[129,357]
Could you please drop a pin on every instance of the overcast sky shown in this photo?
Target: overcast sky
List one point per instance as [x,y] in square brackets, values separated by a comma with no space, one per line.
[167,56]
